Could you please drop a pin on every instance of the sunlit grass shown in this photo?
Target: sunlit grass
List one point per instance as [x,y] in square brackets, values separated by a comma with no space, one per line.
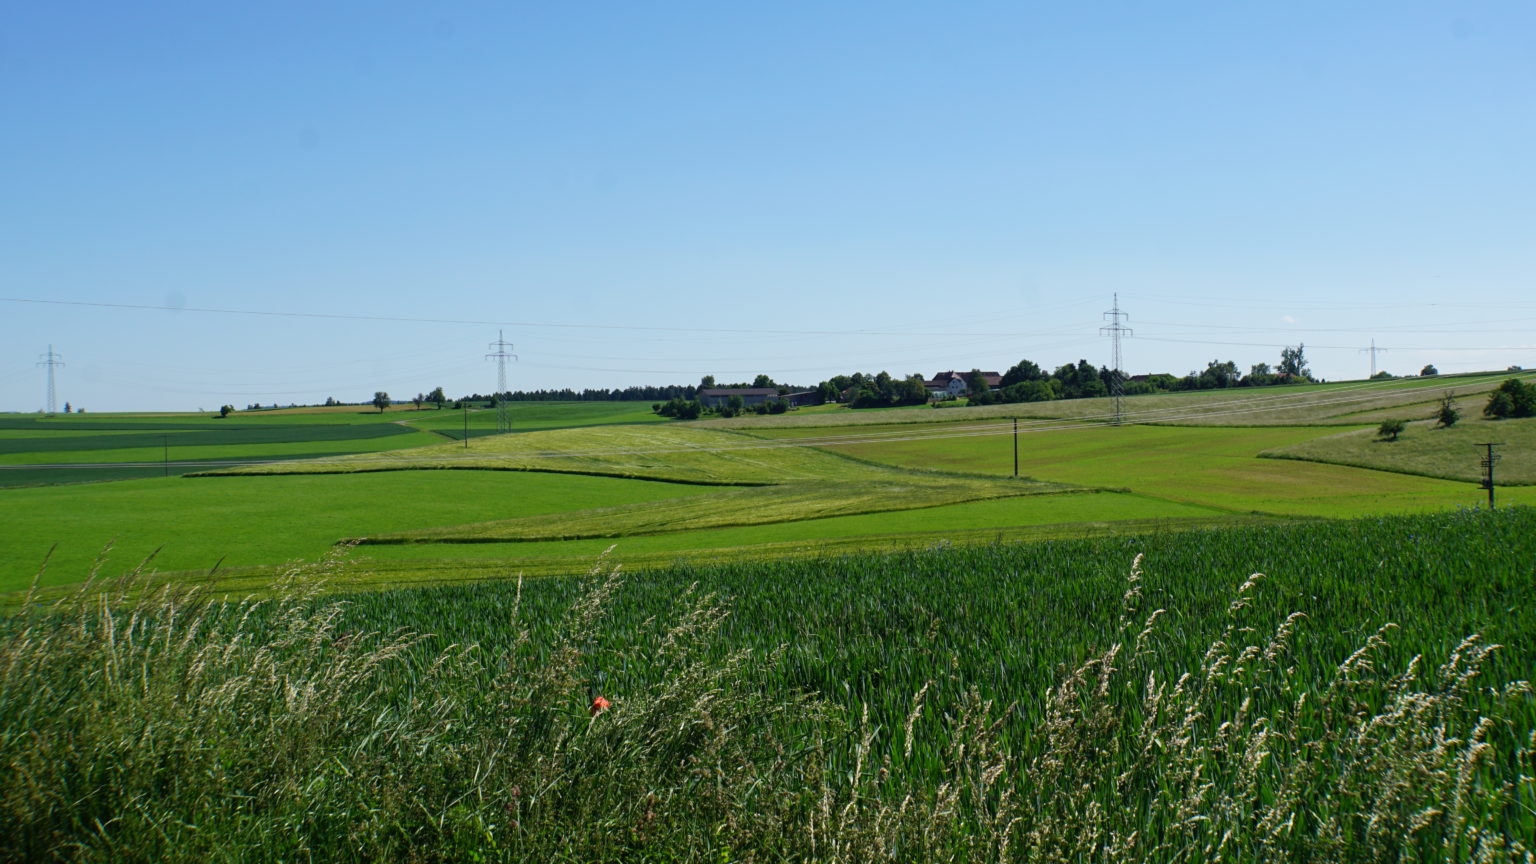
[1339,404]
[1363,699]
[1451,453]
[1216,467]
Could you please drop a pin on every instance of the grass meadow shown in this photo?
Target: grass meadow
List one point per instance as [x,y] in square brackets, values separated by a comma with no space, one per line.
[531,416]
[1429,450]
[197,525]
[767,492]
[827,636]
[1339,404]
[1120,698]
[1208,466]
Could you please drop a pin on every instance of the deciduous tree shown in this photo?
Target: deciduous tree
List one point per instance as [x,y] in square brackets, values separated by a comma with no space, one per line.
[1293,361]
[1447,415]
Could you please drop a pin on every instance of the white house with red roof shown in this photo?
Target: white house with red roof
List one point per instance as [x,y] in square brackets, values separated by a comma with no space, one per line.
[953,385]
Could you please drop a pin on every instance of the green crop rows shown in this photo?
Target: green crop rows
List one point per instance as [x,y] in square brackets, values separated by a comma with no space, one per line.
[926,699]
[56,450]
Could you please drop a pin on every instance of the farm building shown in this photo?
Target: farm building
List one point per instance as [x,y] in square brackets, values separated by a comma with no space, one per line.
[718,396]
[952,384]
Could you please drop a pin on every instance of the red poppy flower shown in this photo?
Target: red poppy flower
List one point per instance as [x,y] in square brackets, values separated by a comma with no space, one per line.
[599,705]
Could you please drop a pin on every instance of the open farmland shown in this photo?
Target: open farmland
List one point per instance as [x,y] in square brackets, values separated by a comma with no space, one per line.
[1423,448]
[1209,466]
[1341,404]
[927,700]
[192,528]
[82,448]
[546,500]
[529,416]
[855,620]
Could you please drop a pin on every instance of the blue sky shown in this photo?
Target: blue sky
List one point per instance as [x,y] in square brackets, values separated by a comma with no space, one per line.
[646,193]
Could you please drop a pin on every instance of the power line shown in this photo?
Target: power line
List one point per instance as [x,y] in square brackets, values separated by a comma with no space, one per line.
[694,330]
[1339,347]
[404,319]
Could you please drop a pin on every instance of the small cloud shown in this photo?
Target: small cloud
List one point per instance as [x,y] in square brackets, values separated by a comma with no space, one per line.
[1287,319]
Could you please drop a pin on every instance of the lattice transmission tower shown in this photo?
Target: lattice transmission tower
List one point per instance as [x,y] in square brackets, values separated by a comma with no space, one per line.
[1373,351]
[52,361]
[1115,329]
[501,349]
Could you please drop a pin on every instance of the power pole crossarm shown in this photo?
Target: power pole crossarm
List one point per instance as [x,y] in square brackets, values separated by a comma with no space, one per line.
[1489,461]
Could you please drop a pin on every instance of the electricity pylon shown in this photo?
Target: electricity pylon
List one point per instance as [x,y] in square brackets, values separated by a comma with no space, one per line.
[51,360]
[1114,329]
[501,349]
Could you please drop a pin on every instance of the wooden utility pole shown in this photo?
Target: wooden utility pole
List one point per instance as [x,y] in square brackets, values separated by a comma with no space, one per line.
[1015,446]
[1488,463]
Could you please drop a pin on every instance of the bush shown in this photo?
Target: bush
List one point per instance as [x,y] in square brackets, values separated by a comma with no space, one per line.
[1512,399]
[1390,429]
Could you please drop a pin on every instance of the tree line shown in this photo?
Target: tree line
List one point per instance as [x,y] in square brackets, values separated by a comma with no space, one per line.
[1027,381]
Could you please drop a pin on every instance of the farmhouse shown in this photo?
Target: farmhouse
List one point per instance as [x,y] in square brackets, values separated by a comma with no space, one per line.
[952,384]
[717,396]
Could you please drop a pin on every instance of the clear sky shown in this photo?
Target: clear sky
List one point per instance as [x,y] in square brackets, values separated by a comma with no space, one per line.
[643,193]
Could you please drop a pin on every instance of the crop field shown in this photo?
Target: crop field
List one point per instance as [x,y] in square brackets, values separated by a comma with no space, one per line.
[1121,698]
[529,416]
[820,641]
[197,525]
[83,448]
[544,501]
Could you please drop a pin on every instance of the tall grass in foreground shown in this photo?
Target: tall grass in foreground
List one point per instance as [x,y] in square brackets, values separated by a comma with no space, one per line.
[163,726]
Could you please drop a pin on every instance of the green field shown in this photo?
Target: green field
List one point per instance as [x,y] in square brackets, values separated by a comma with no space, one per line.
[197,524]
[127,446]
[86,448]
[1013,702]
[543,500]
[1426,449]
[1209,466]
[895,671]
[528,416]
